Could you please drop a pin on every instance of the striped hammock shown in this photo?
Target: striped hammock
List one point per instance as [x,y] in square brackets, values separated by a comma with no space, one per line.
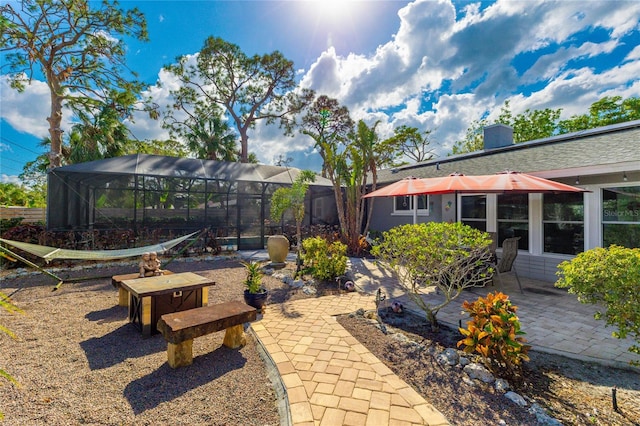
[50,253]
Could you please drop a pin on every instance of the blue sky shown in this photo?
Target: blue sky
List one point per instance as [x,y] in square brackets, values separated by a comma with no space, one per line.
[435,64]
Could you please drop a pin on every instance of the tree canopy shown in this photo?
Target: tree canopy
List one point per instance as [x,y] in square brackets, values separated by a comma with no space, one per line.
[12,194]
[608,110]
[349,155]
[413,143]
[249,88]
[206,132]
[539,124]
[79,50]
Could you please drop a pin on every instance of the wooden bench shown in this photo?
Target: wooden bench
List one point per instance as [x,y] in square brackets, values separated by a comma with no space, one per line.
[123,295]
[180,328]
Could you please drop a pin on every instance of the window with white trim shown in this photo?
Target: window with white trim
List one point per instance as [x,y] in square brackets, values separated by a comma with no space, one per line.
[513,218]
[404,204]
[473,211]
[621,216]
[563,223]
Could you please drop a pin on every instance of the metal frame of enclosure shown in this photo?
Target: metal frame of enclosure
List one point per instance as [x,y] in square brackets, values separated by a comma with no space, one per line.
[174,195]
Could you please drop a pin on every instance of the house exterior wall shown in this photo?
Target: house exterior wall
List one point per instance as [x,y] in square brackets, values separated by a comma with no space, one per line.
[593,160]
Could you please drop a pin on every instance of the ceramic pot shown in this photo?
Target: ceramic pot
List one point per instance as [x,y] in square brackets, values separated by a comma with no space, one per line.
[278,248]
[256,300]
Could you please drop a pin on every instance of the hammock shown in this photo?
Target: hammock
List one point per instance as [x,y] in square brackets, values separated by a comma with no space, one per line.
[50,253]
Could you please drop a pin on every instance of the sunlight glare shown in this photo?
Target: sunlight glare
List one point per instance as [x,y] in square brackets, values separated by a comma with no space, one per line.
[333,10]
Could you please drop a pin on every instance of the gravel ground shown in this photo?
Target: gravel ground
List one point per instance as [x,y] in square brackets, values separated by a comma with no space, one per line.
[79,361]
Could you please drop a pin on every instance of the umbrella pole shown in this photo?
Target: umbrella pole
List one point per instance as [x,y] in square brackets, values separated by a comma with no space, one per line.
[415,209]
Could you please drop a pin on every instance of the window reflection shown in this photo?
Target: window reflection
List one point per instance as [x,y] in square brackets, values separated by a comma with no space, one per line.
[563,220]
[621,216]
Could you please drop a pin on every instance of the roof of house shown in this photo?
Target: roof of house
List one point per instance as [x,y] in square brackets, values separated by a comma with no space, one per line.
[615,146]
[190,168]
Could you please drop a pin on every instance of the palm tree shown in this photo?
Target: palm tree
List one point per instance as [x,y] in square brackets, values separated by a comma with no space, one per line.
[211,138]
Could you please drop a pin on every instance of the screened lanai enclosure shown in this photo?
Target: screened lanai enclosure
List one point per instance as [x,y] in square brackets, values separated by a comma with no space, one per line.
[170,196]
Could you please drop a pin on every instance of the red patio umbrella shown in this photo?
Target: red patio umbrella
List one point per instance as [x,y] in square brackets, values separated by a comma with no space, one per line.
[507,181]
[407,186]
[511,182]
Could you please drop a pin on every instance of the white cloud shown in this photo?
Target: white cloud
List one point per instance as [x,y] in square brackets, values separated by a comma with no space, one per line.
[468,66]
[27,111]
[634,55]
[4,178]
[463,64]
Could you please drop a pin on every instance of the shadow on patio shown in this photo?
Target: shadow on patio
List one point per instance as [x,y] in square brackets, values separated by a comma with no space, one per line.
[553,320]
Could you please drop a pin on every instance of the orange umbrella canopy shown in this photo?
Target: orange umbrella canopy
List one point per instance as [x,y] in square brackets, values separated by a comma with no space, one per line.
[406,186]
[501,182]
[516,182]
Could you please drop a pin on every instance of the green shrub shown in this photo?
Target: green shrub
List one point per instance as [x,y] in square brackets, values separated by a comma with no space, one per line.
[609,277]
[253,281]
[447,256]
[494,332]
[322,260]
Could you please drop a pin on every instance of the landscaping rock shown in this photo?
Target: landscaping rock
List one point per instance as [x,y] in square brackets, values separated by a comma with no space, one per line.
[479,372]
[307,289]
[448,357]
[542,416]
[502,385]
[516,398]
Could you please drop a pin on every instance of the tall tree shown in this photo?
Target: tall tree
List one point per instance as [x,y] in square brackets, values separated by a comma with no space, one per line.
[413,143]
[530,125]
[96,136]
[78,49]
[329,124]
[250,89]
[349,156]
[12,194]
[473,139]
[168,147]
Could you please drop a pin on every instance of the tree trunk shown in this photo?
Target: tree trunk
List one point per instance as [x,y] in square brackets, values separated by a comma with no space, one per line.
[55,121]
[244,147]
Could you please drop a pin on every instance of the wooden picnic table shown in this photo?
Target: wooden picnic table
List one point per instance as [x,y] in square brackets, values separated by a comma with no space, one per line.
[152,297]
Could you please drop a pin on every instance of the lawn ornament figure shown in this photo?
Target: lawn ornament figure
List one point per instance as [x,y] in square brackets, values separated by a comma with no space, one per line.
[150,265]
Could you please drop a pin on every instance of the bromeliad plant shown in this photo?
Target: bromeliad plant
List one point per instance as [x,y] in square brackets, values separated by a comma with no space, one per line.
[494,332]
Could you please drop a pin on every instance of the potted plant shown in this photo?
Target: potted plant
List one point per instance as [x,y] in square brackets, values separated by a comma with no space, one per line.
[285,199]
[255,294]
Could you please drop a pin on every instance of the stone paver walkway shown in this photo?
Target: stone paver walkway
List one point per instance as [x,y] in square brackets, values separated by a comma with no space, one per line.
[331,379]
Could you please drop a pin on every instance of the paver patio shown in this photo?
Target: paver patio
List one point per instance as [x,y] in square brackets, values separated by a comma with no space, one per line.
[331,379]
